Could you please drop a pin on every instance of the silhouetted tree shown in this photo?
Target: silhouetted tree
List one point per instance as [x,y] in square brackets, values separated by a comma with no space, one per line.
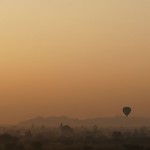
[117,135]
[133,147]
[36,145]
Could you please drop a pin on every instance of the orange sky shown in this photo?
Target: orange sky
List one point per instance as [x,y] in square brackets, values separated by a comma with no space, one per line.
[81,58]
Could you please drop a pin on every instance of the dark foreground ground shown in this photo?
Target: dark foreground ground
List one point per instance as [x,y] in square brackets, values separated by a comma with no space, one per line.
[67,138]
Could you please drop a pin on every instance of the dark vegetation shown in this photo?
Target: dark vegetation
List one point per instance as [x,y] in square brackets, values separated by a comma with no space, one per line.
[79,138]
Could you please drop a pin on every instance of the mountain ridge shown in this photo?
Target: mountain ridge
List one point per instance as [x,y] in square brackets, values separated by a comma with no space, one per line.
[116,121]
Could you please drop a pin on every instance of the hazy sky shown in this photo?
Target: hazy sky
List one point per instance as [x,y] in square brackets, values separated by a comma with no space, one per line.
[81,58]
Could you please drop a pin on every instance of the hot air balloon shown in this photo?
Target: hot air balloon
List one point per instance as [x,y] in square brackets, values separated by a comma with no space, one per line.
[126,111]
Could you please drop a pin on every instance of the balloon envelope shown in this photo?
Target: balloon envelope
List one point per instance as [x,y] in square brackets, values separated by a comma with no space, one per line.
[126,111]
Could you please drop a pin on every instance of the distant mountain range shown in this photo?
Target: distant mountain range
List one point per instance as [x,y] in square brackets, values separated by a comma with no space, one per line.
[103,122]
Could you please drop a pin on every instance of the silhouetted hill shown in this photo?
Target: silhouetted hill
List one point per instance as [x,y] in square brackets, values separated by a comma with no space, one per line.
[103,122]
